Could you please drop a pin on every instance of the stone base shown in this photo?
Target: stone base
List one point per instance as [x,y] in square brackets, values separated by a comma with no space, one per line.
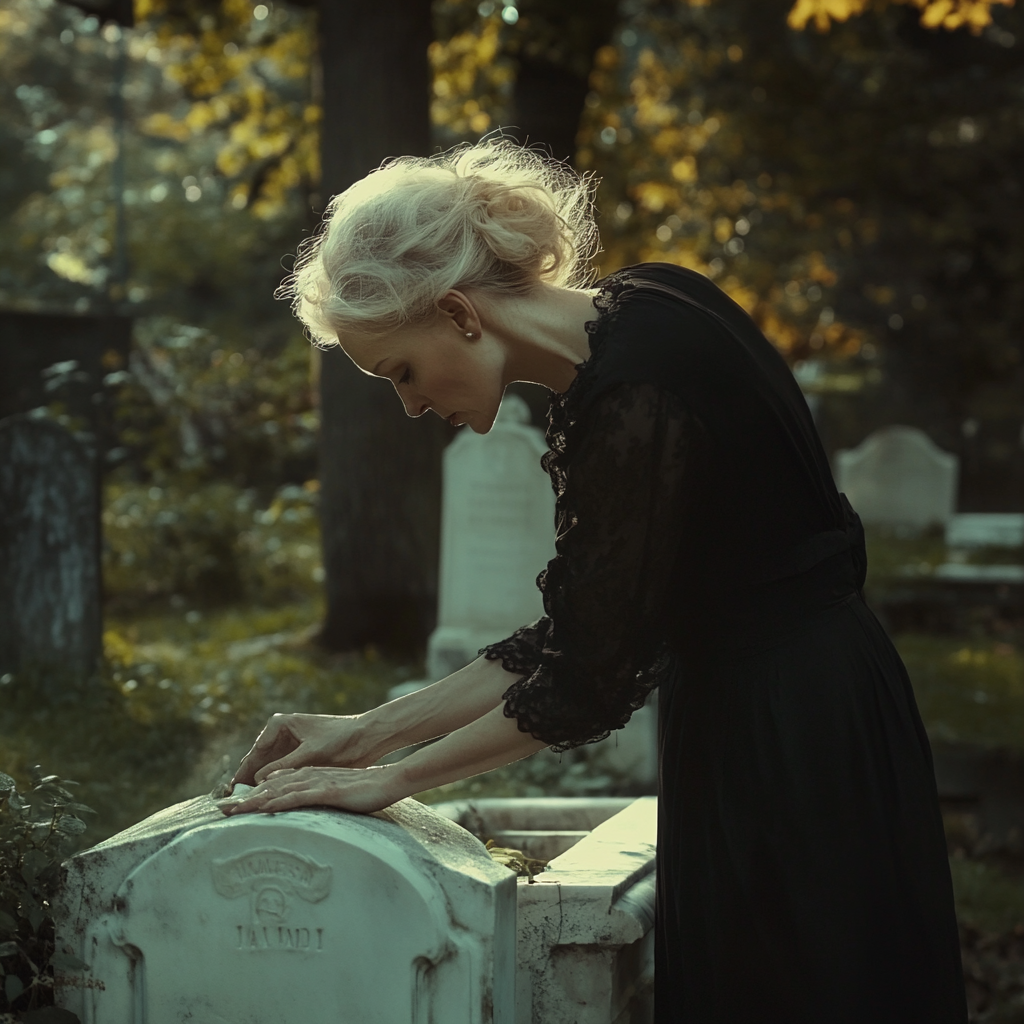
[585,929]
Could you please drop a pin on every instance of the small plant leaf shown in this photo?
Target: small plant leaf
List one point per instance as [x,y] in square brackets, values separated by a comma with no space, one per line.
[6,782]
[6,923]
[13,987]
[8,948]
[69,825]
[32,863]
[68,962]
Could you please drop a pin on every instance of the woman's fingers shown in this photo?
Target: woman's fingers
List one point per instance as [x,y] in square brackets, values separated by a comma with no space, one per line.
[301,757]
[302,796]
[274,741]
[287,789]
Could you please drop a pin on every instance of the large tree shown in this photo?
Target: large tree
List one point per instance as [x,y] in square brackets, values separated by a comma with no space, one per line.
[380,471]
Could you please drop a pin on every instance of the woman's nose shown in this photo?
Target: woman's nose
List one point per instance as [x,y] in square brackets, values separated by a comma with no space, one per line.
[415,407]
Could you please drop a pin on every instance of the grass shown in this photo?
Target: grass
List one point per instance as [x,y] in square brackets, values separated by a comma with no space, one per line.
[989,896]
[968,690]
[183,695]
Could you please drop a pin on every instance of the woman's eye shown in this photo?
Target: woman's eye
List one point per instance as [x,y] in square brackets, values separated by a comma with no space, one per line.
[406,377]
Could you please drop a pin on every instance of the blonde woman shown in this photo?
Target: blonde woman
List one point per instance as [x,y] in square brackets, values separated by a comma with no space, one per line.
[701,547]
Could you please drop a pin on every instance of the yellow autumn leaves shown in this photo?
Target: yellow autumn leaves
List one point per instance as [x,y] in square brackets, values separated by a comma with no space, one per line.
[245,82]
[947,14]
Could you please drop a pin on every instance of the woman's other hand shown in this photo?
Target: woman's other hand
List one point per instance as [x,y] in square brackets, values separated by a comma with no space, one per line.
[299,741]
[361,790]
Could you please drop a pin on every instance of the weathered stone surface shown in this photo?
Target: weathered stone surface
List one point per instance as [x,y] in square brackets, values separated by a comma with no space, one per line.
[49,551]
[497,534]
[897,477]
[986,529]
[313,916]
[585,949]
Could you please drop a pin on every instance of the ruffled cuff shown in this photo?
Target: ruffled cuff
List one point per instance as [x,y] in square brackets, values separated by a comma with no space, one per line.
[523,651]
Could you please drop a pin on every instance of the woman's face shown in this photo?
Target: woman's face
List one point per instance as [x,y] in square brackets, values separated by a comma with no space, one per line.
[447,367]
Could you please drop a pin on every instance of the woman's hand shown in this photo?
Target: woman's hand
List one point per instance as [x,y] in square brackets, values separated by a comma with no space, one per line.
[298,741]
[352,789]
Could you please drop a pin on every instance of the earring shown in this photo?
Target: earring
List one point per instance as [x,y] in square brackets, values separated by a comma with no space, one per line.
[470,334]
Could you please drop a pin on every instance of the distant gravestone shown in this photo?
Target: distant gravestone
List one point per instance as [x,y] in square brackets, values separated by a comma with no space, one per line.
[897,477]
[49,552]
[497,534]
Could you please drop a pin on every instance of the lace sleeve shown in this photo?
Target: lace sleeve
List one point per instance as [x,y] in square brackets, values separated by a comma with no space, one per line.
[590,663]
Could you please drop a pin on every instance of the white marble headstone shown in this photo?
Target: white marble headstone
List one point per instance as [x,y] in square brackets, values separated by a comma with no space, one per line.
[313,916]
[898,477]
[497,534]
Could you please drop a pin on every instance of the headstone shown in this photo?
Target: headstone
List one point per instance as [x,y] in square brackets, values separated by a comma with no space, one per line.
[313,915]
[985,529]
[49,552]
[898,478]
[497,534]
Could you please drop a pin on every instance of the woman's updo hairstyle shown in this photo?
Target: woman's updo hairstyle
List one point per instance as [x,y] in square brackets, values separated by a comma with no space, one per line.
[492,216]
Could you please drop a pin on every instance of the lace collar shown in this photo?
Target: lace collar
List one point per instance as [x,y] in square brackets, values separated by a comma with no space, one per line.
[560,409]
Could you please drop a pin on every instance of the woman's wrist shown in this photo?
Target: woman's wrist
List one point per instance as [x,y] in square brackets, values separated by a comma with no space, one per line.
[374,738]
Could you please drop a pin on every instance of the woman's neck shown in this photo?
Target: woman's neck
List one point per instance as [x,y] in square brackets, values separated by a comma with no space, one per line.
[544,334]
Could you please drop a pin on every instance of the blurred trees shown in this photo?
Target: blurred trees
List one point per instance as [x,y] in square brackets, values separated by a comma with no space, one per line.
[846,170]
[857,190]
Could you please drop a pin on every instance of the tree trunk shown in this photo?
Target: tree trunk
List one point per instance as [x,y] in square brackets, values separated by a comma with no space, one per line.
[548,98]
[380,471]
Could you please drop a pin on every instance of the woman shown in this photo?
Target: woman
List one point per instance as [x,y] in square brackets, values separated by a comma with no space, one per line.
[701,546]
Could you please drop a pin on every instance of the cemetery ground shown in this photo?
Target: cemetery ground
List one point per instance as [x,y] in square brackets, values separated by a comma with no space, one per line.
[193,669]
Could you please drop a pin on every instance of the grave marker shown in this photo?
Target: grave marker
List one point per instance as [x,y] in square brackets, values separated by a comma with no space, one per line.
[49,552]
[313,915]
[897,477]
[497,534]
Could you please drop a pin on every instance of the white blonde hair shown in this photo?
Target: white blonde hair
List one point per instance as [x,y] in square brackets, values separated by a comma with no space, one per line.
[492,216]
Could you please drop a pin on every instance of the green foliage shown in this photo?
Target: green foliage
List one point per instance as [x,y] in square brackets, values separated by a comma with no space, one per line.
[37,830]
[202,242]
[209,545]
[191,407]
[578,772]
[972,691]
[987,896]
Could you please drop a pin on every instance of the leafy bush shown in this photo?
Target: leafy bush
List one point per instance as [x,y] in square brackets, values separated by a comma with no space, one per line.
[192,407]
[37,831]
[211,544]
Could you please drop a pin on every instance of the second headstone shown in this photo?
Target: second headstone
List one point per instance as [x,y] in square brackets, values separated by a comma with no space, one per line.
[497,535]
[49,553]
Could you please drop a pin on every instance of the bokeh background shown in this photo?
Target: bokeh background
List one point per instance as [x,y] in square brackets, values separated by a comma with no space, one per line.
[849,171]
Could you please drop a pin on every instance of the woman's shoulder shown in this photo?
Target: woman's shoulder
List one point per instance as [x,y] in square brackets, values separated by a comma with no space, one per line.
[650,288]
[653,320]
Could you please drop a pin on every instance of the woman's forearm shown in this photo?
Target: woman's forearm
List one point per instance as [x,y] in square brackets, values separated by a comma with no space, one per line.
[440,708]
[486,743]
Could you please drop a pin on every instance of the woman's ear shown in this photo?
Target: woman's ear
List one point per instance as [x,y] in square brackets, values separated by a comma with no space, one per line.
[463,313]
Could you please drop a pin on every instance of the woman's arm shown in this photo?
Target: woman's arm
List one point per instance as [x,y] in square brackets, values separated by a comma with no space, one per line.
[357,741]
[489,742]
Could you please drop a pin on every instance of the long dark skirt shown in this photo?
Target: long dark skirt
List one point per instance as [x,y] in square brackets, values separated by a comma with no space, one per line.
[802,868]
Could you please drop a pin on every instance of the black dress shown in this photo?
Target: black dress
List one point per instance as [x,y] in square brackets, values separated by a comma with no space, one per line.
[702,547]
